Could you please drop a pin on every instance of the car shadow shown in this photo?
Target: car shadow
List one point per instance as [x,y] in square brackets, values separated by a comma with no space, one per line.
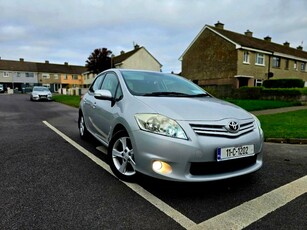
[194,189]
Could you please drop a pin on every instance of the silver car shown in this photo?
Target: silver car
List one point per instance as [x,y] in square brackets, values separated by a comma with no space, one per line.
[40,93]
[165,126]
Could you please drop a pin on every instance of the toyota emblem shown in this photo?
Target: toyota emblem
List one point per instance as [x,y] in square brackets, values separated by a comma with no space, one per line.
[233,126]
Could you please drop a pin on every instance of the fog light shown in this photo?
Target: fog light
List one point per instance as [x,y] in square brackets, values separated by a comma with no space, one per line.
[161,167]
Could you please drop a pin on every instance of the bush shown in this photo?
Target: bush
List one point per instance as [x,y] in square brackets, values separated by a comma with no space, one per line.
[284,83]
[303,91]
[249,92]
[261,93]
[281,94]
[220,91]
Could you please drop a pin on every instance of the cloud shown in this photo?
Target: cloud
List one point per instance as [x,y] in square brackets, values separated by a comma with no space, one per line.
[68,31]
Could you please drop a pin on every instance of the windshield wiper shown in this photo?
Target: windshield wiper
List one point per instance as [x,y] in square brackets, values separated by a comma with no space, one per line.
[200,95]
[175,94]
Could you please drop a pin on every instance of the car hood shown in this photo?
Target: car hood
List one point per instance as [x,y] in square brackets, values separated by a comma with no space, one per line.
[180,108]
[41,92]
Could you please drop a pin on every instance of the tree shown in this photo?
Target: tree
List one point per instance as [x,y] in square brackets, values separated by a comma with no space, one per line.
[99,60]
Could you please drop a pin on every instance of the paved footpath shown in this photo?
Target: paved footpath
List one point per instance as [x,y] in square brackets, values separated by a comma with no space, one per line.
[279,110]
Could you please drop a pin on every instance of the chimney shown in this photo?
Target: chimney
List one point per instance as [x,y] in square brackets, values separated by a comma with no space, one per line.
[287,44]
[219,25]
[249,33]
[268,39]
[21,59]
[300,48]
[136,46]
[47,62]
[65,63]
[122,52]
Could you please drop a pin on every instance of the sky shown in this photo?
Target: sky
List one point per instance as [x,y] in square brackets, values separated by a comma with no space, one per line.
[69,30]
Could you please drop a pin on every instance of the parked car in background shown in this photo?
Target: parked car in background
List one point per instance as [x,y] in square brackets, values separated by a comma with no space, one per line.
[165,126]
[40,93]
[1,88]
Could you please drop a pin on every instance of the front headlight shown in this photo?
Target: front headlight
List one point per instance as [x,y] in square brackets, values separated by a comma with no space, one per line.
[160,124]
[256,120]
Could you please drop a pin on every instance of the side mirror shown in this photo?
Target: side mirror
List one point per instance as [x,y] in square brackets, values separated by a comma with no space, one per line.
[103,94]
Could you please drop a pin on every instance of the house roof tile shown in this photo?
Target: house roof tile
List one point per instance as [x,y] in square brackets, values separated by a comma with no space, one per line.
[10,65]
[122,57]
[256,43]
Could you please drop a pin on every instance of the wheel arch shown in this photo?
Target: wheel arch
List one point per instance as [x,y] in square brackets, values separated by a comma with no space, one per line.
[118,128]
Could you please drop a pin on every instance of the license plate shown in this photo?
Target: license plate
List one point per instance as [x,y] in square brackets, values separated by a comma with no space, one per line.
[235,152]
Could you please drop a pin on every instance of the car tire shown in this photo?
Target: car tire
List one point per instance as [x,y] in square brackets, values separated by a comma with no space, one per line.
[121,157]
[84,133]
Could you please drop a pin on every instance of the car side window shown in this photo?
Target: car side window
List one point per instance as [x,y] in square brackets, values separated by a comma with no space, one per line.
[97,83]
[111,83]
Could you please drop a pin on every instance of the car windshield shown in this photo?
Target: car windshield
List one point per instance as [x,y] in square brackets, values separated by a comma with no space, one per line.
[160,84]
[40,89]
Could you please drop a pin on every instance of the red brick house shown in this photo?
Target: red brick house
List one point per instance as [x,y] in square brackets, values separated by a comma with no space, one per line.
[219,57]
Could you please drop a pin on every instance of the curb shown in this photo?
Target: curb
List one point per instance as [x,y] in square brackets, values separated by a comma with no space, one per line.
[287,140]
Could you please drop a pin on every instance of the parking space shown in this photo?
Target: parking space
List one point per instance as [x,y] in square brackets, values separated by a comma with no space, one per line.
[52,178]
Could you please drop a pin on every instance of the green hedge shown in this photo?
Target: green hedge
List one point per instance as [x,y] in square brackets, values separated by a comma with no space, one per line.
[249,92]
[284,83]
[261,93]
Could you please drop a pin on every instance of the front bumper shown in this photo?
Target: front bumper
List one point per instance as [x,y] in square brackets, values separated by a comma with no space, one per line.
[195,160]
[41,97]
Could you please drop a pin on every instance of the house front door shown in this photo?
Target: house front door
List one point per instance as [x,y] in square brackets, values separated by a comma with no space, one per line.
[243,81]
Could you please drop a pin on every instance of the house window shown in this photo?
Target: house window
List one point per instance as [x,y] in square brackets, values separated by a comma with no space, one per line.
[259,59]
[65,77]
[56,76]
[287,64]
[75,77]
[46,76]
[303,66]
[258,82]
[29,74]
[5,74]
[246,57]
[295,65]
[276,62]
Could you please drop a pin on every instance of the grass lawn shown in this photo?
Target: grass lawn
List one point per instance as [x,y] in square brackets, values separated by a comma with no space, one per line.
[282,125]
[249,105]
[253,105]
[67,99]
[285,125]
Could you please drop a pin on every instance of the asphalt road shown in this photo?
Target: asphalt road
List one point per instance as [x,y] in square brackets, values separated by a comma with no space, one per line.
[50,179]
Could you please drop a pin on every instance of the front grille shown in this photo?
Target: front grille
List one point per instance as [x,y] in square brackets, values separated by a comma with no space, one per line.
[217,167]
[208,129]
